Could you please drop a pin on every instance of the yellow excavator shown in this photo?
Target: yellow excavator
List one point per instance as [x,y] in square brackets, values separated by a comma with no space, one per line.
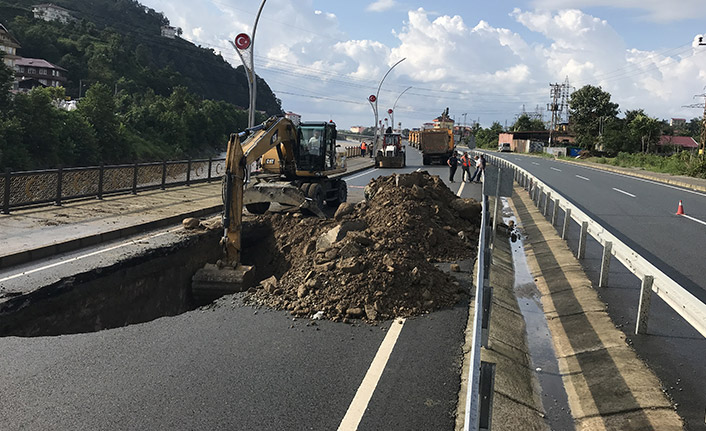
[298,163]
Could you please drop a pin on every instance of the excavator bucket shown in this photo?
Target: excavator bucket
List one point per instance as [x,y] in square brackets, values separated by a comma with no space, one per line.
[283,193]
[211,282]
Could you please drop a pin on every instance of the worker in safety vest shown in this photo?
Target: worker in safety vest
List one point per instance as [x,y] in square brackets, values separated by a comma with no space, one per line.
[466,166]
[363,147]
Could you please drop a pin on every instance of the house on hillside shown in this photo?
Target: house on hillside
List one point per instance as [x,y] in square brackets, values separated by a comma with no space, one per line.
[677,122]
[673,144]
[444,121]
[169,32]
[51,12]
[45,73]
[357,129]
[8,46]
[294,118]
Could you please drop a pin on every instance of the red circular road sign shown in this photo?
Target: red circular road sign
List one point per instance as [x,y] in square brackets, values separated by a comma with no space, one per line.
[389,111]
[372,98]
[242,41]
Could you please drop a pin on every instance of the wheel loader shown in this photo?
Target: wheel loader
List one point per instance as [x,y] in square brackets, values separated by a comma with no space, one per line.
[392,154]
[298,164]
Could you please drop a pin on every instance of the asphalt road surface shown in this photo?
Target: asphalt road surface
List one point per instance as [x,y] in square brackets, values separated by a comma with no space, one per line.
[234,367]
[642,214]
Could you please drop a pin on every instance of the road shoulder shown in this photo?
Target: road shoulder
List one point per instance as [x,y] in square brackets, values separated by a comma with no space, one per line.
[608,386]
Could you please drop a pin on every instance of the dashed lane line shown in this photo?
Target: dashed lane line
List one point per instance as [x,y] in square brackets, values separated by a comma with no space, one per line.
[554,169]
[362,397]
[460,189]
[694,219]
[624,192]
[583,178]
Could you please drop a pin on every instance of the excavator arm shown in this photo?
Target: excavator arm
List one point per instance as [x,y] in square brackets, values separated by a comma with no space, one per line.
[275,132]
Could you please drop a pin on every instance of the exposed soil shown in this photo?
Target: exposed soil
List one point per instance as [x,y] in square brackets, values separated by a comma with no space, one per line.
[374,260]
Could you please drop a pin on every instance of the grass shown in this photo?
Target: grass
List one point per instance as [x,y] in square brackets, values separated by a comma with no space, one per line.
[683,163]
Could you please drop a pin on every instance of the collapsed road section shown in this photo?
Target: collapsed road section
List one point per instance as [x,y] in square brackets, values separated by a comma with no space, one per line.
[374,260]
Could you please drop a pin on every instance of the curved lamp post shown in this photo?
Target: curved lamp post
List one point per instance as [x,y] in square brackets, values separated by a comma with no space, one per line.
[392,110]
[373,99]
[245,43]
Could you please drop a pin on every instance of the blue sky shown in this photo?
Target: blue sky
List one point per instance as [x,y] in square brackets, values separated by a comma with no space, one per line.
[488,60]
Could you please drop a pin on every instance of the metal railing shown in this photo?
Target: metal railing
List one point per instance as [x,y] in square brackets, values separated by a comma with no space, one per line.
[481,374]
[653,279]
[54,186]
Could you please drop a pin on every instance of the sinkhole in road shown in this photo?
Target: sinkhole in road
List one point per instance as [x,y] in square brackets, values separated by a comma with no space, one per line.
[539,339]
[151,284]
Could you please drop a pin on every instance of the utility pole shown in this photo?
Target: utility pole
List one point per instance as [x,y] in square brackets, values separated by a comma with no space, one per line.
[702,144]
[559,94]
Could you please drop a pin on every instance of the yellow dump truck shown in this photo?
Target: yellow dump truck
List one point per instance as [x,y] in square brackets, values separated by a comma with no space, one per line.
[436,145]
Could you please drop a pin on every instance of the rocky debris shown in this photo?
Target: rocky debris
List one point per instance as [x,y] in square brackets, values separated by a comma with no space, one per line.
[190,223]
[374,260]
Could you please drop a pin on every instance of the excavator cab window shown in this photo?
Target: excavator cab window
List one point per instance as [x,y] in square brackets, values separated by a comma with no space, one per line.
[312,149]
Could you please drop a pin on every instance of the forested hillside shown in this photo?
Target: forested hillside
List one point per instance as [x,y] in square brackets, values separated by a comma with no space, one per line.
[169,98]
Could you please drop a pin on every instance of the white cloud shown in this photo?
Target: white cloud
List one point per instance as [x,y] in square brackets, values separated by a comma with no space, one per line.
[381,5]
[654,10]
[472,67]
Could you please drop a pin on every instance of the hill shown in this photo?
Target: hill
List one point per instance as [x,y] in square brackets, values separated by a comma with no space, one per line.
[118,43]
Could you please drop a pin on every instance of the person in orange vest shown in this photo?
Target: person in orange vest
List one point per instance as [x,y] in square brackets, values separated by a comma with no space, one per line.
[363,147]
[466,166]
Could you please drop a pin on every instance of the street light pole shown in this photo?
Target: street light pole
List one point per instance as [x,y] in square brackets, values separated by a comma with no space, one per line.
[246,43]
[373,99]
[392,113]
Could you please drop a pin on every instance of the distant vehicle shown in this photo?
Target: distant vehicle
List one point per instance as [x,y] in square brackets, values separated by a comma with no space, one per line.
[392,154]
[436,145]
[504,148]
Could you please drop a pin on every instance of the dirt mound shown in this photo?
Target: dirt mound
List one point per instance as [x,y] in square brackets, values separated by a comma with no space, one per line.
[374,260]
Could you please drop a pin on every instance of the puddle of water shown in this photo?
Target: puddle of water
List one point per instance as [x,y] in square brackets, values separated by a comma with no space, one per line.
[539,339]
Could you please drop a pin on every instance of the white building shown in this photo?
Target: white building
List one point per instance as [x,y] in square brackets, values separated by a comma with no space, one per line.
[51,12]
[294,118]
[169,32]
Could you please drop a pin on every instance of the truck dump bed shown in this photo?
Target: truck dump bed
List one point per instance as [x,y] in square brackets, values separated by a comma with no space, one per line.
[436,145]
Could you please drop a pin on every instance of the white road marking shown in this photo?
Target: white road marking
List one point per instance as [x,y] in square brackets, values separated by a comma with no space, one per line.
[583,178]
[460,189]
[362,397]
[555,169]
[94,253]
[535,163]
[356,187]
[681,189]
[694,219]
[624,192]
[364,173]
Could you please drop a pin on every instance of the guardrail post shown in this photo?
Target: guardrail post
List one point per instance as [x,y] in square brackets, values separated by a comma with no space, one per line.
[164,174]
[210,162]
[567,220]
[487,302]
[101,173]
[582,240]
[546,203]
[134,179]
[188,173]
[605,264]
[555,211]
[6,198]
[643,310]
[487,388]
[59,181]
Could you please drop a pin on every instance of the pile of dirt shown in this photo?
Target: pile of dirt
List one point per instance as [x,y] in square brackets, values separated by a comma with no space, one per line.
[373,260]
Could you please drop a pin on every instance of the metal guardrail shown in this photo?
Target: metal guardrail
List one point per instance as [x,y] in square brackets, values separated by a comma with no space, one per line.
[653,279]
[480,374]
[53,186]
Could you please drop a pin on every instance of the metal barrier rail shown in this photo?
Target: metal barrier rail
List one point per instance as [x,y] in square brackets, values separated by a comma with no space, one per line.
[477,415]
[653,279]
[53,186]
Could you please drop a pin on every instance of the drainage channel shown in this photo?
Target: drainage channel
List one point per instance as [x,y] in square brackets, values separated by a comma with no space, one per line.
[539,339]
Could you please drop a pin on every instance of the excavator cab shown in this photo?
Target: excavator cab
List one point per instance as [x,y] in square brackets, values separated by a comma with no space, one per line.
[317,148]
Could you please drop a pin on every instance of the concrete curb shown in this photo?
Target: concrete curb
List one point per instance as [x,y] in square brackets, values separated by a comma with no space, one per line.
[43,252]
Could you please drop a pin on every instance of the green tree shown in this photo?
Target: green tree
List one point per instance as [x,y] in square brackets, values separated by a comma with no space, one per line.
[588,107]
[6,78]
[488,138]
[98,108]
[646,130]
[525,123]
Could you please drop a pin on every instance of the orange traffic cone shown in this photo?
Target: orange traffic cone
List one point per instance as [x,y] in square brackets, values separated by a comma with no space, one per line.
[680,209]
